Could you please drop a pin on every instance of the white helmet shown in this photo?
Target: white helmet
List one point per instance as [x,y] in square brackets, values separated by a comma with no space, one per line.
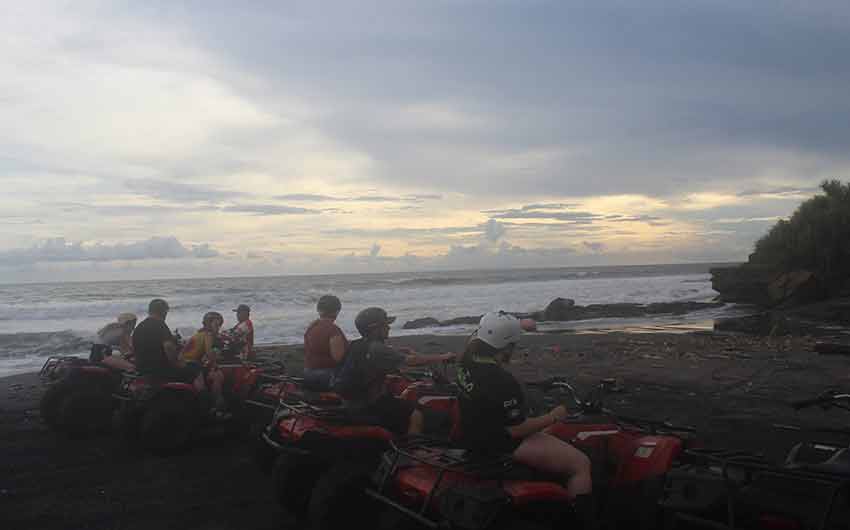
[498,329]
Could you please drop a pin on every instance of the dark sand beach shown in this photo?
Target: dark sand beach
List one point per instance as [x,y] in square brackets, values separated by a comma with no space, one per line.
[732,388]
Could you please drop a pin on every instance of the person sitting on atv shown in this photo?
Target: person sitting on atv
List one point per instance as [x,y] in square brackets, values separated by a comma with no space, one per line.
[201,352]
[243,332]
[115,335]
[493,412]
[367,362]
[324,345]
[156,350]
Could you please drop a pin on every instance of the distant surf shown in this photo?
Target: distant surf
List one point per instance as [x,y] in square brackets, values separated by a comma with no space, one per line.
[37,320]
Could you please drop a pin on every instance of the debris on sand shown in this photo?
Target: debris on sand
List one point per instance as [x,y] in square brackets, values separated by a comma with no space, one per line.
[832,348]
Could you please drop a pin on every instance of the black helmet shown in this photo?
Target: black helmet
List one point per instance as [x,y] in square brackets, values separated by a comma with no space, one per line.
[370,318]
[328,304]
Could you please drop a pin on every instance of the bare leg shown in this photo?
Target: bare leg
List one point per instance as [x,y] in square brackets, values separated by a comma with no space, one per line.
[547,453]
[118,363]
[417,423]
[217,383]
[198,383]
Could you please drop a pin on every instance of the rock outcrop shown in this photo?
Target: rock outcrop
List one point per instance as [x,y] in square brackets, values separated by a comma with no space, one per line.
[766,285]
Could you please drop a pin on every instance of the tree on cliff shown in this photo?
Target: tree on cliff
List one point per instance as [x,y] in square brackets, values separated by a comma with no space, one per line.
[816,237]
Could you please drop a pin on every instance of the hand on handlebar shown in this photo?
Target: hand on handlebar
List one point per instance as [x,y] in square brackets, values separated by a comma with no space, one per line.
[559,413]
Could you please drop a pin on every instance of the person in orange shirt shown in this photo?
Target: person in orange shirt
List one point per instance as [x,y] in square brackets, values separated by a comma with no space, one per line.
[202,352]
[244,330]
[324,345]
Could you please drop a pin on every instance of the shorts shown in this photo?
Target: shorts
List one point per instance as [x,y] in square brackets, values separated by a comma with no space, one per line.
[175,374]
[392,413]
[319,379]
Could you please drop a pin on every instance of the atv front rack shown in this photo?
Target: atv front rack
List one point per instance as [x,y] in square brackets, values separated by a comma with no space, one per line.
[737,469]
[438,454]
[52,364]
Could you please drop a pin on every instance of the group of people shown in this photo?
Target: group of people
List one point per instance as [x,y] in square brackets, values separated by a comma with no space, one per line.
[493,407]
[154,352]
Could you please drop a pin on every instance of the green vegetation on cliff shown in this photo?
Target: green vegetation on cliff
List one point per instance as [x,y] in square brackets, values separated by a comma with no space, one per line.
[815,238]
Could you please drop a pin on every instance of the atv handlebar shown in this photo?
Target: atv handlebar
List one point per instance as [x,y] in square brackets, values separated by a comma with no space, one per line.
[830,397]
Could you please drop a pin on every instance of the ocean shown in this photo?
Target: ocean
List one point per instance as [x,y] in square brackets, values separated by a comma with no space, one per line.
[38,320]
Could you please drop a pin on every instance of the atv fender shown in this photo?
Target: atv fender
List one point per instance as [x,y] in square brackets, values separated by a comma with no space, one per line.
[169,419]
[339,496]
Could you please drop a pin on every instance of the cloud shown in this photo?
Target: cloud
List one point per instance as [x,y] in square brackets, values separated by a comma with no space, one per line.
[269,209]
[494,230]
[309,197]
[594,246]
[181,192]
[554,215]
[306,197]
[60,250]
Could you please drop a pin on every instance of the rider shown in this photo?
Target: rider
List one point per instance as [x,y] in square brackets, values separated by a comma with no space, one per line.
[368,361]
[493,418]
[201,352]
[115,335]
[324,345]
[156,350]
[244,331]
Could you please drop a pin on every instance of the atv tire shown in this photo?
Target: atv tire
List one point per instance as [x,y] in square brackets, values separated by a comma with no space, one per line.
[51,401]
[264,455]
[168,421]
[294,478]
[85,411]
[339,496]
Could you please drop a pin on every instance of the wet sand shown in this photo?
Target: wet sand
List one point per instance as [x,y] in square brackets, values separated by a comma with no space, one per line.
[731,388]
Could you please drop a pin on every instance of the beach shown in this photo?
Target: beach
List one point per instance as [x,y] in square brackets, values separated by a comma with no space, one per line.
[731,388]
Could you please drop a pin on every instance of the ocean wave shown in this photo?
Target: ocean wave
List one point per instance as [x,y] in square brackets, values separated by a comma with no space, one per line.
[13,345]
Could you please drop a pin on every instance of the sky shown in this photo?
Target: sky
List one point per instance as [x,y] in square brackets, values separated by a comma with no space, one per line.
[215,138]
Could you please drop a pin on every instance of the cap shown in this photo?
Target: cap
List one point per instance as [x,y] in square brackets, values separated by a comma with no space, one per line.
[242,307]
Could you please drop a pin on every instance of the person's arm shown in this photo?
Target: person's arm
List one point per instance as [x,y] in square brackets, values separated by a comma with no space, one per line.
[171,352]
[537,424]
[125,347]
[418,359]
[337,347]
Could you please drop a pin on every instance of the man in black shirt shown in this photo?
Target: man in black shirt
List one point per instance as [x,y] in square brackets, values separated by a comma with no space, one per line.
[156,350]
[493,419]
[367,363]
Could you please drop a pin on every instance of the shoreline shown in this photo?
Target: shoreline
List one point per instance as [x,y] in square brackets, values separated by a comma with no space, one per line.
[731,388]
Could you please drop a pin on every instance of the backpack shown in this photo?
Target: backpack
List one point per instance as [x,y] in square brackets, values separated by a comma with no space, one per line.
[352,380]
[364,367]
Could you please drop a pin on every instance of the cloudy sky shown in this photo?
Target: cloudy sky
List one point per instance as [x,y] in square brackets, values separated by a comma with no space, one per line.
[151,139]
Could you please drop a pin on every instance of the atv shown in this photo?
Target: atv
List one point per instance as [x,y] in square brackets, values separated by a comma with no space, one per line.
[322,452]
[440,485]
[78,399]
[728,489]
[163,416]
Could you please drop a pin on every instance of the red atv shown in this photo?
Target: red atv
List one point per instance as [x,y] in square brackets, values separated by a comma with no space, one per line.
[163,417]
[324,452]
[78,399]
[728,489]
[438,485]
